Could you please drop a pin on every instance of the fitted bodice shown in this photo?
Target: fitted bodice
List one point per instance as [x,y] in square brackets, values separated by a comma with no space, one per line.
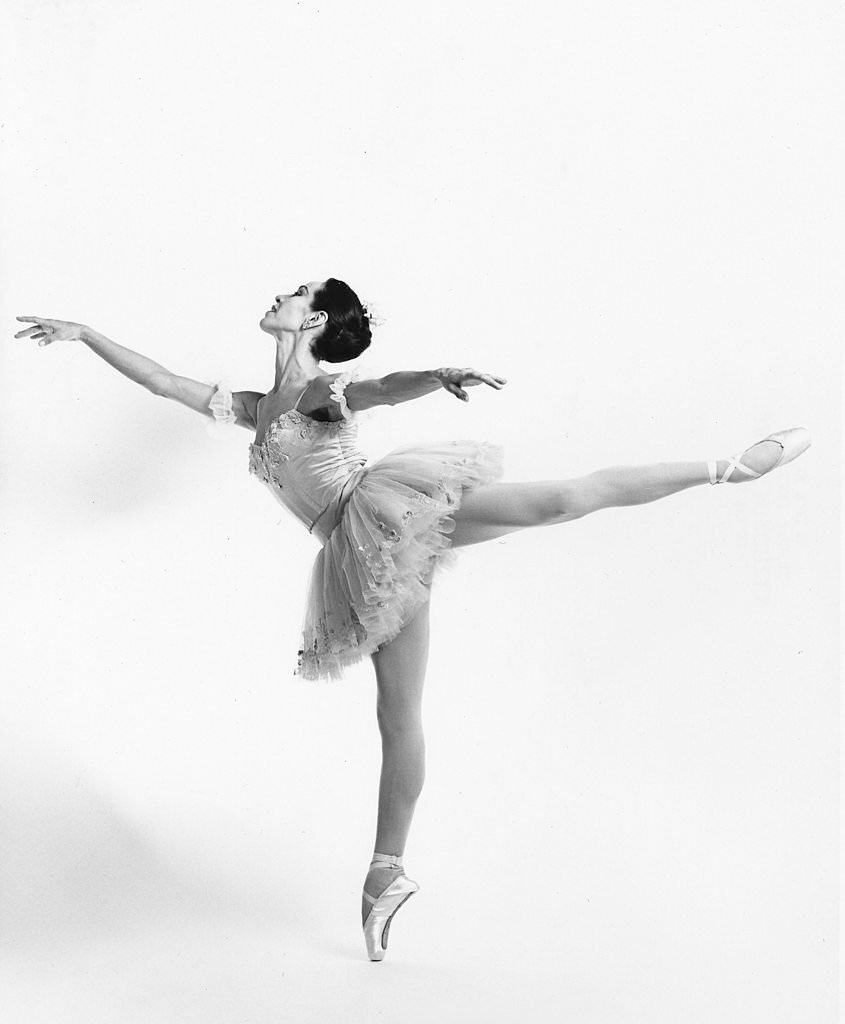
[310,466]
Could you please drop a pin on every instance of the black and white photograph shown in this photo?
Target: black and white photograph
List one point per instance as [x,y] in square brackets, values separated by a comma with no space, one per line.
[421,493]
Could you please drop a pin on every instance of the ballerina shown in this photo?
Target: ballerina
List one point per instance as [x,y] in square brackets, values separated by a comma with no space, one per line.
[385,527]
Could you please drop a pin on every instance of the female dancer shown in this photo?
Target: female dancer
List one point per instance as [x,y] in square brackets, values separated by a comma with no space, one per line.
[384,527]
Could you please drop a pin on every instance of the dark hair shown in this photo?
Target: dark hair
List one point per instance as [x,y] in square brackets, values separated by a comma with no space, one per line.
[347,332]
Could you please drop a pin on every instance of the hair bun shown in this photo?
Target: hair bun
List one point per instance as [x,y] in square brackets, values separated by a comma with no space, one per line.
[347,332]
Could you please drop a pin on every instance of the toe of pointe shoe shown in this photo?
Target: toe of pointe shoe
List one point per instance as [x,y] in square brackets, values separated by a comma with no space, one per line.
[377,925]
[795,441]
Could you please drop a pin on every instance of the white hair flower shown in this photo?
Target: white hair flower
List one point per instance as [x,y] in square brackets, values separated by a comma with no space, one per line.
[371,312]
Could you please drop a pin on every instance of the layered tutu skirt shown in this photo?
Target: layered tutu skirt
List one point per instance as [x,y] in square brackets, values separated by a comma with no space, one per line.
[377,564]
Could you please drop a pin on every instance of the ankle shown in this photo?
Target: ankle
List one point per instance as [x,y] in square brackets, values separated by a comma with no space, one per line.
[382,871]
[386,861]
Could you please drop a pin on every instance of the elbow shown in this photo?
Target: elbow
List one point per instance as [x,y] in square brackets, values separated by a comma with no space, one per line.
[386,396]
[158,384]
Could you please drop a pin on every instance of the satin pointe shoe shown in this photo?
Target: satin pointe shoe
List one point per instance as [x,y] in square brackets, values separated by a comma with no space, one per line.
[384,907]
[793,442]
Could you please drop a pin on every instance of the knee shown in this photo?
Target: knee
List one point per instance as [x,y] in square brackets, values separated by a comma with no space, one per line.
[398,724]
[403,754]
[575,498]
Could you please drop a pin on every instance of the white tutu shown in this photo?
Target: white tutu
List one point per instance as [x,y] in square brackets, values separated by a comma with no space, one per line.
[377,564]
[384,526]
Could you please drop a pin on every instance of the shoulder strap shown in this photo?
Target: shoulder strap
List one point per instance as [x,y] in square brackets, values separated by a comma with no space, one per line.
[301,393]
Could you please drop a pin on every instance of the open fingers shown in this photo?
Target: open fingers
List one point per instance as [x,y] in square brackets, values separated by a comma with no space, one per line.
[457,391]
[30,331]
[468,377]
[484,378]
[41,331]
[41,324]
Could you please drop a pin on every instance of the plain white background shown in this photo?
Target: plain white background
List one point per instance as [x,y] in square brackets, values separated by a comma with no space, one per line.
[631,211]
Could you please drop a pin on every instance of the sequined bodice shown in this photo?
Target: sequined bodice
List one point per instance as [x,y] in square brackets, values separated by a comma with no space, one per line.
[309,465]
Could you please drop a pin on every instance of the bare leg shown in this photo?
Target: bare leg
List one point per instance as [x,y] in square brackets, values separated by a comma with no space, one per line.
[485,513]
[400,673]
[493,510]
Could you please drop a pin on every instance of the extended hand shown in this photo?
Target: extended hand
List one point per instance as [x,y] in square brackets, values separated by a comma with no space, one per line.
[50,330]
[453,380]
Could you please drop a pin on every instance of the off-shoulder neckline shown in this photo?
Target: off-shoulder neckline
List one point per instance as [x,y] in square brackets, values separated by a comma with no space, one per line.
[294,413]
[298,412]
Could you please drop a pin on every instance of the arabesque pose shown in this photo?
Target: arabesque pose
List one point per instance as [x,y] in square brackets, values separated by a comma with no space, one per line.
[385,526]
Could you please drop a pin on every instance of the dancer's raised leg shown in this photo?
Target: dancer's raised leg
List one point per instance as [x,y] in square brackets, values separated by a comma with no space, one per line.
[494,510]
[400,673]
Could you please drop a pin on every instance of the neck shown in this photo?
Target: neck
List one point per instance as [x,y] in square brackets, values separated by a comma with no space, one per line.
[295,365]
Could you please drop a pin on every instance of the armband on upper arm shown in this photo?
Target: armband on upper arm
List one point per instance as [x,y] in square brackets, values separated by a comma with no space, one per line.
[222,406]
[338,392]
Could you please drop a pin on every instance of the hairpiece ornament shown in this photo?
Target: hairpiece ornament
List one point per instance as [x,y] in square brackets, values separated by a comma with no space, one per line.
[372,314]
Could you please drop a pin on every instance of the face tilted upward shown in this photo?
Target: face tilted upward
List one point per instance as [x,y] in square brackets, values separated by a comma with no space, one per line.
[290,311]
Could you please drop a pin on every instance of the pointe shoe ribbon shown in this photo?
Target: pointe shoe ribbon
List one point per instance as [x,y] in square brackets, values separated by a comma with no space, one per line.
[793,442]
[384,907]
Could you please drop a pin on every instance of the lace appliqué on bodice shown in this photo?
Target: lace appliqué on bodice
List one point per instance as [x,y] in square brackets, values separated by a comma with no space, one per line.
[286,435]
[291,432]
[382,527]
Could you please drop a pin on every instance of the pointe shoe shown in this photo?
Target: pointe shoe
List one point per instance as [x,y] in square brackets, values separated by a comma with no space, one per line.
[383,908]
[793,442]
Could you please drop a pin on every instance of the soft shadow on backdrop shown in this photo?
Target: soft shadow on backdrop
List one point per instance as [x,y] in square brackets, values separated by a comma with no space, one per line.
[632,213]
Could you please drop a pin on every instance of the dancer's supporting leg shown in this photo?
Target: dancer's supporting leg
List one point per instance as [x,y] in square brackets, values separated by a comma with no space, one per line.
[493,510]
[400,672]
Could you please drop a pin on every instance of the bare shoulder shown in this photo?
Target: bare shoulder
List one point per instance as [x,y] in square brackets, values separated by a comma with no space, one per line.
[245,407]
[360,393]
[318,398]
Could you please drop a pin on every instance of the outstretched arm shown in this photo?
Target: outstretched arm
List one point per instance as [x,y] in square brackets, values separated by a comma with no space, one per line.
[406,385]
[144,371]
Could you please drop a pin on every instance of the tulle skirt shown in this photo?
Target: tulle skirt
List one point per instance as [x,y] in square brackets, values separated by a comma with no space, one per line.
[377,564]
